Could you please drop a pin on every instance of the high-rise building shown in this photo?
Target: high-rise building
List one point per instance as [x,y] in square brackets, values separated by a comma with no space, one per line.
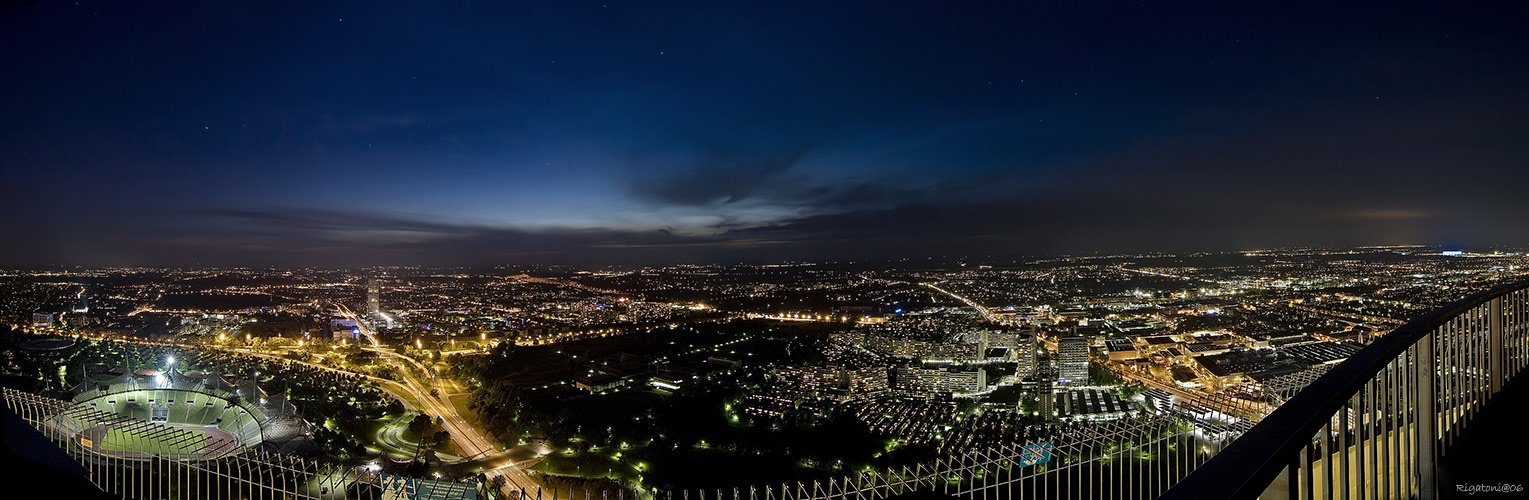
[374,296]
[1045,393]
[1023,353]
[1072,360]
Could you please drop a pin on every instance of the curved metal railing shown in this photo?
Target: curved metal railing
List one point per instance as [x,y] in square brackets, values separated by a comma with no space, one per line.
[1378,424]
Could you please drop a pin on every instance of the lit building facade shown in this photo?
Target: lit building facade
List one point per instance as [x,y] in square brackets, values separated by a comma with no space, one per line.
[1024,354]
[1072,360]
[941,381]
[374,296]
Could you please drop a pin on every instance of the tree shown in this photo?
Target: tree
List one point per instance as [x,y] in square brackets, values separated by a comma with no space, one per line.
[420,424]
[416,468]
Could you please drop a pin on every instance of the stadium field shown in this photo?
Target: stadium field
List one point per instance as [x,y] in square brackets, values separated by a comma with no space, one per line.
[176,443]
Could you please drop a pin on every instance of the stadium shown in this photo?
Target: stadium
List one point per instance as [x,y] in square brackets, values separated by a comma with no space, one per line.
[144,414]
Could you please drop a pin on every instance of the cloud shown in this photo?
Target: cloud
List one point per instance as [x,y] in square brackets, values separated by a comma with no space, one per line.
[332,238]
[1100,221]
[1390,214]
[719,177]
[723,189]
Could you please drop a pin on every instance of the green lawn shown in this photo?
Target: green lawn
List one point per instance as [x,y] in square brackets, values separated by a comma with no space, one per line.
[587,464]
[459,402]
[118,440]
[363,430]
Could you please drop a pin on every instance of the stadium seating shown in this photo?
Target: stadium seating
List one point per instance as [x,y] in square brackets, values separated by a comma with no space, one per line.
[186,408]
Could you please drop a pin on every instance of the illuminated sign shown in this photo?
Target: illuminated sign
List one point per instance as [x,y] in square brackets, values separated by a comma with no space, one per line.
[397,488]
[1035,453]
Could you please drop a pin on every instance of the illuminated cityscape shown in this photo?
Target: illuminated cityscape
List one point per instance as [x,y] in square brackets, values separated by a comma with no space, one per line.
[653,379]
[752,250]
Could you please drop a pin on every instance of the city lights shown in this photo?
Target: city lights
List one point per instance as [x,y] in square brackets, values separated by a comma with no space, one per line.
[764,250]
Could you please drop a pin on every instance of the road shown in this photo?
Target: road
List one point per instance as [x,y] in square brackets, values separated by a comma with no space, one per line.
[411,392]
[1228,284]
[371,336]
[397,390]
[986,314]
[467,438]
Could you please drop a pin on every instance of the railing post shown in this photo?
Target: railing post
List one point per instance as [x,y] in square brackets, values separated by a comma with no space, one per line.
[1495,344]
[1426,418]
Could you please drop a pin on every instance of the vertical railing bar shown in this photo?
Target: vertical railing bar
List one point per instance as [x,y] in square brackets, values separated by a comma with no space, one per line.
[1445,387]
[1376,433]
[1345,422]
[1445,380]
[1367,441]
[1387,446]
[1427,418]
[1467,348]
[1327,460]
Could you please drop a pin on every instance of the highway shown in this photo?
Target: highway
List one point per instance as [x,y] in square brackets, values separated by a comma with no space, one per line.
[411,392]
[397,390]
[1228,284]
[986,314]
[467,438]
[819,318]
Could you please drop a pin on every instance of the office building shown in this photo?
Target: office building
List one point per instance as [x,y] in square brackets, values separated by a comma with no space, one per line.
[1072,360]
[374,296]
[1024,353]
[1045,390]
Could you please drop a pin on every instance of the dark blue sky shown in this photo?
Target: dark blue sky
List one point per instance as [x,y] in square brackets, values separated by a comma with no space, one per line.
[473,133]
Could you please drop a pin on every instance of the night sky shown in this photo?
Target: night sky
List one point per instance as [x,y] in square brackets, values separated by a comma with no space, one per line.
[484,133]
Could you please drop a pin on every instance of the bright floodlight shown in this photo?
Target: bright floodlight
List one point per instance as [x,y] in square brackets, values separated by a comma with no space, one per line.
[170,360]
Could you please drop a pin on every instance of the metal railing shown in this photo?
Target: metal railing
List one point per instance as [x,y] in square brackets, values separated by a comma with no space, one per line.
[153,473]
[1379,424]
[1130,458]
